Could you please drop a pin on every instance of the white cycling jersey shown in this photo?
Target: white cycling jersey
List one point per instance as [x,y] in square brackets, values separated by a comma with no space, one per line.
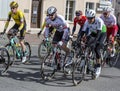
[58,23]
[110,20]
[94,27]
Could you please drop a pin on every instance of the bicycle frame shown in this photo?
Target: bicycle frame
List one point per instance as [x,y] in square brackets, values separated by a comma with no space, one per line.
[17,49]
[57,53]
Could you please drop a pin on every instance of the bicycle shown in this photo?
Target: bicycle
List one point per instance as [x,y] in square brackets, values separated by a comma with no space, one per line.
[55,61]
[4,59]
[78,69]
[84,62]
[15,49]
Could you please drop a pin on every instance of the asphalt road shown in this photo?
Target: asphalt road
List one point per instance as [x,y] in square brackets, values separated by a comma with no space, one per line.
[26,77]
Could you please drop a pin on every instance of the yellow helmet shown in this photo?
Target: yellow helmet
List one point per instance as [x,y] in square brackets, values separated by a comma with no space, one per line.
[14,4]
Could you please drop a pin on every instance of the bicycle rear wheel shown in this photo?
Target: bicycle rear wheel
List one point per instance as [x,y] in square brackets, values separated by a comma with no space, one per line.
[78,71]
[28,51]
[48,66]
[4,60]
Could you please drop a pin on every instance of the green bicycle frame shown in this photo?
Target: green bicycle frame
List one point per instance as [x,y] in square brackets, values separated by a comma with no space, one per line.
[17,49]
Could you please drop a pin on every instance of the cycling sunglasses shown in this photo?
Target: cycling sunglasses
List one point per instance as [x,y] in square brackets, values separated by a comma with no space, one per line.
[90,18]
[51,14]
[13,7]
[78,14]
[105,13]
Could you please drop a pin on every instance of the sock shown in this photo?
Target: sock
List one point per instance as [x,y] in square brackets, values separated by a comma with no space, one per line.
[23,54]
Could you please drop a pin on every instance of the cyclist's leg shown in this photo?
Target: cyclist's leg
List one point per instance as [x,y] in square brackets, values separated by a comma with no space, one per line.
[98,48]
[109,32]
[58,37]
[65,41]
[22,36]
[114,31]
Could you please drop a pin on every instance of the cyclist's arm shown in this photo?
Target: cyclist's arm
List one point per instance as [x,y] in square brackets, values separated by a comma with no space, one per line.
[43,26]
[99,28]
[46,33]
[85,29]
[22,23]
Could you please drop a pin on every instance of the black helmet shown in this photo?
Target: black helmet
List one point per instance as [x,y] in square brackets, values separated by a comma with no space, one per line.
[78,12]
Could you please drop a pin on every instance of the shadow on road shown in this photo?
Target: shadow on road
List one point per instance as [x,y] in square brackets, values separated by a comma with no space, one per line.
[57,81]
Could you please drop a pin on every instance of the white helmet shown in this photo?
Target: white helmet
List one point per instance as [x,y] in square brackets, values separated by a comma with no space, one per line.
[90,13]
[107,9]
[51,10]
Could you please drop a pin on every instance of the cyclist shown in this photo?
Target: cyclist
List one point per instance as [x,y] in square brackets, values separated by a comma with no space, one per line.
[111,24]
[62,31]
[80,19]
[95,31]
[20,25]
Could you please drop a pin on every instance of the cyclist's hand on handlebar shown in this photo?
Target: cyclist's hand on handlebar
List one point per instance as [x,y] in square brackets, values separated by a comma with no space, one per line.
[39,33]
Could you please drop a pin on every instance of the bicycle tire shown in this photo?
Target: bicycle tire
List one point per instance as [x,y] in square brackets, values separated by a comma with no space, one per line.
[4,60]
[11,53]
[90,62]
[43,50]
[78,71]
[28,51]
[48,66]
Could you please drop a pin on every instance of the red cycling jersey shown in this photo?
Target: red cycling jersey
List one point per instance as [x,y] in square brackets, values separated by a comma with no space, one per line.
[80,21]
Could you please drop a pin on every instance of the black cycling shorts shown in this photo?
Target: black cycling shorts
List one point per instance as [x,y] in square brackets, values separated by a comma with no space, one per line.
[57,36]
[14,29]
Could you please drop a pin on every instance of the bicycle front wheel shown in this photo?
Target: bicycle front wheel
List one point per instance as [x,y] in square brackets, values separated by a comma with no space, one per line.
[4,60]
[48,66]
